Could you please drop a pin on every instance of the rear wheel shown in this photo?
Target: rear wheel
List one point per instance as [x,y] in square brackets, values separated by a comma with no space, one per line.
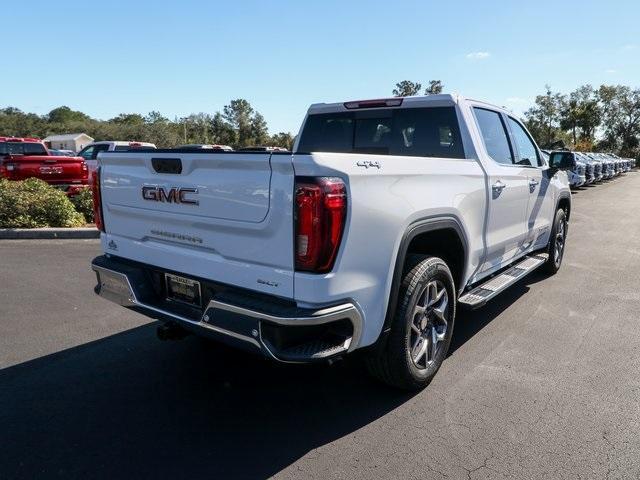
[423,326]
[557,242]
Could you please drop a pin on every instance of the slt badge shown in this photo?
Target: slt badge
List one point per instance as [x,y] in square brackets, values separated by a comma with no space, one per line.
[368,164]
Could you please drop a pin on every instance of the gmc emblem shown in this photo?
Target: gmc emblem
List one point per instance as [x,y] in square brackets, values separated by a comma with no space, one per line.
[172,195]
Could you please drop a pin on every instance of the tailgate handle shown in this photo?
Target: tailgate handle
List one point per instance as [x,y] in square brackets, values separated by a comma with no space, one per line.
[167,165]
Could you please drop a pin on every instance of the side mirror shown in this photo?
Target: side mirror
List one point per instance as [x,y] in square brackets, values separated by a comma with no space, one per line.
[561,160]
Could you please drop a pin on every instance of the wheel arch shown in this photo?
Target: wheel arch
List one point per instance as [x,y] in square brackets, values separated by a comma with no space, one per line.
[441,236]
[564,202]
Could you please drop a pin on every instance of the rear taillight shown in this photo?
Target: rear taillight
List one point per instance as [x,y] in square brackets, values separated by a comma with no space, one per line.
[7,168]
[97,201]
[321,210]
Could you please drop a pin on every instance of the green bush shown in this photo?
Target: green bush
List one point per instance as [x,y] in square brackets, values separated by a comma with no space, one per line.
[33,203]
[84,204]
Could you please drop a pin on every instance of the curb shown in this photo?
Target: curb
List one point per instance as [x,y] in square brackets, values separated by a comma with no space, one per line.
[48,233]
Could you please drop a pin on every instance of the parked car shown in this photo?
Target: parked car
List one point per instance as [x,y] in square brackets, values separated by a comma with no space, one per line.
[91,151]
[22,158]
[577,174]
[202,146]
[609,165]
[626,164]
[599,167]
[388,216]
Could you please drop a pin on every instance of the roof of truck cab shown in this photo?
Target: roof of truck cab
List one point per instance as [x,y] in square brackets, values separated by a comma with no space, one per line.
[119,142]
[425,100]
[440,100]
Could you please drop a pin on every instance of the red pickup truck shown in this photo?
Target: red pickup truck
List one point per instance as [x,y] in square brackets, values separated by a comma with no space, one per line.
[22,158]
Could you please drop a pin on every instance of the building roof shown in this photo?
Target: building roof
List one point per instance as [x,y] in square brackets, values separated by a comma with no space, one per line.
[68,136]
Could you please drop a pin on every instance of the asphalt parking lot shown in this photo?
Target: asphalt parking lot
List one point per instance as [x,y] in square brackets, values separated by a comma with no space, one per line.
[542,383]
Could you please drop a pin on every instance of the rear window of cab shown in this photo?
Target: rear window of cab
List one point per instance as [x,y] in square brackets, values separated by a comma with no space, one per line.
[22,148]
[418,132]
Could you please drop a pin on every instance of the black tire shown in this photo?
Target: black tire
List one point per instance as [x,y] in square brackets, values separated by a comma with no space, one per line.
[558,233]
[395,365]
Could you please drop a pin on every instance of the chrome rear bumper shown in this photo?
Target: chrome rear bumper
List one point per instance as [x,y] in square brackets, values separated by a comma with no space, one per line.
[240,321]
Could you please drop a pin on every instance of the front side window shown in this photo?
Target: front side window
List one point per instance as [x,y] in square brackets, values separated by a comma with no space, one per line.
[527,151]
[86,153]
[418,132]
[494,135]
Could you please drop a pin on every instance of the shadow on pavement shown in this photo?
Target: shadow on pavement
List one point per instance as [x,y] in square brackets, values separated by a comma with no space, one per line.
[130,405]
[470,322]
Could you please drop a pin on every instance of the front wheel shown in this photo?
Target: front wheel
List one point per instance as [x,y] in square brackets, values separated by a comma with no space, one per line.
[422,328]
[557,242]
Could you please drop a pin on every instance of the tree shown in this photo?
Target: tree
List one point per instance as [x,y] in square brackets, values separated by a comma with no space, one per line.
[435,87]
[580,113]
[222,132]
[65,115]
[543,119]
[282,139]
[128,119]
[621,114]
[249,126]
[569,114]
[406,88]
[239,114]
[259,132]
[195,128]
[159,130]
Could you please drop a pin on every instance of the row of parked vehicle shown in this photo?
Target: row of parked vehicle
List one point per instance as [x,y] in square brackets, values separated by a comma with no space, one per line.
[591,167]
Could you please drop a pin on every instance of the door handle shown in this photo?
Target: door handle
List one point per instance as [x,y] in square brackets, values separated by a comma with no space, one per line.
[533,182]
[498,186]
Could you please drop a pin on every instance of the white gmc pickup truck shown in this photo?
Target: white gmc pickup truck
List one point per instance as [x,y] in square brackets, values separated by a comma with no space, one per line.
[387,215]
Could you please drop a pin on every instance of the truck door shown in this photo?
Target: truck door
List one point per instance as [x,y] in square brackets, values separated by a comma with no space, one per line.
[508,192]
[540,202]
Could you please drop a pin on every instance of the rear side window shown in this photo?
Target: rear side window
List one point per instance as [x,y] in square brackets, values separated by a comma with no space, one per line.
[98,149]
[494,135]
[34,149]
[418,132]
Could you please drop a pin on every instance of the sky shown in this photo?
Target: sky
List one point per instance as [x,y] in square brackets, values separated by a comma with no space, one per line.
[111,57]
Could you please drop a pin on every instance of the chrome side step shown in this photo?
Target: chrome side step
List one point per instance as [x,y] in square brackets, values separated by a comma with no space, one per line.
[483,293]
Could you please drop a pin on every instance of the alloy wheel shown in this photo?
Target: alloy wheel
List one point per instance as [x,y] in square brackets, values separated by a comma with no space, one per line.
[429,324]
[558,250]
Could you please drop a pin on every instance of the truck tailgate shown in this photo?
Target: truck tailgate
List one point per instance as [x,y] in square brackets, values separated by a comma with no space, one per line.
[226,217]
[52,169]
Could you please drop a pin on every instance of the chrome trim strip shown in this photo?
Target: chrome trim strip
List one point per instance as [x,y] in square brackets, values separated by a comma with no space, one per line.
[325,315]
